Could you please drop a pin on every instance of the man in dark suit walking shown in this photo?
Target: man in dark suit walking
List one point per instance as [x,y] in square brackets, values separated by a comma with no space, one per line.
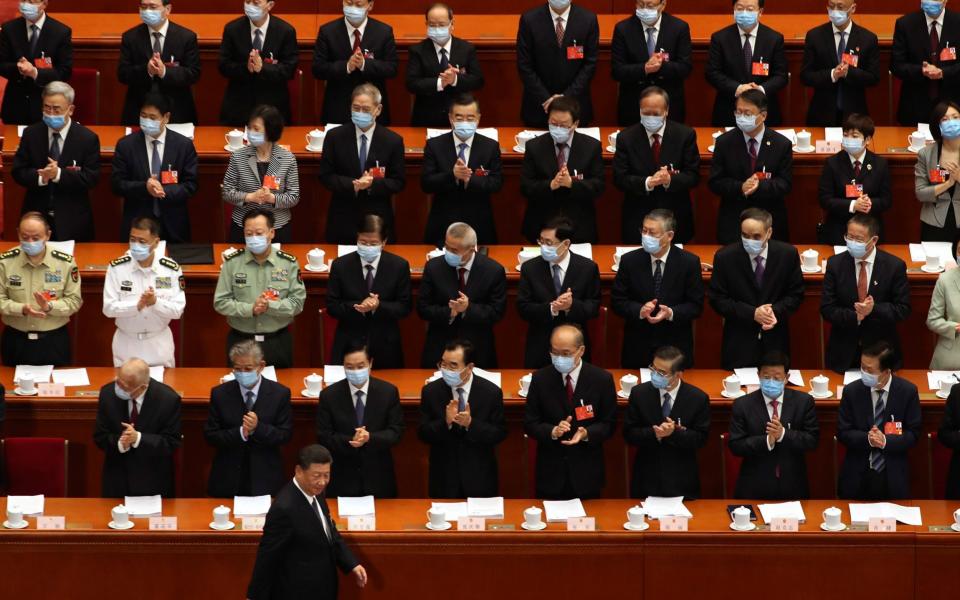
[925,58]
[557,46]
[656,165]
[155,171]
[35,49]
[772,429]
[301,549]
[360,420]
[440,68]
[570,412]
[462,170]
[350,52]
[746,55]
[668,420]
[659,293]
[159,56]
[362,166]
[461,419]
[368,293]
[58,162]
[463,294]
[562,175]
[249,421]
[879,421]
[756,285]
[865,295]
[650,49]
[138,429]
[840,61]
[258,56]
[752,167]
[556,287]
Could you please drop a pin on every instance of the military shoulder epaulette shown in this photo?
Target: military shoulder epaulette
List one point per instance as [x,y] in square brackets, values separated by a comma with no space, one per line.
[286,255]
[233,254]
[10,253]
[169,263]
[62,256]
[119,261]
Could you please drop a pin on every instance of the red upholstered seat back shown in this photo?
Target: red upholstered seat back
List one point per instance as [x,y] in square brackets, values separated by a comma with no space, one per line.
[939,461]
[86,84]
[35,466]
[730,466]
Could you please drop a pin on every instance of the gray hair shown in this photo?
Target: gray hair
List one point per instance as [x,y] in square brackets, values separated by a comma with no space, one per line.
[367,89]
[665,216]
[59,88]
[462,231]
[136,368]
[246,348]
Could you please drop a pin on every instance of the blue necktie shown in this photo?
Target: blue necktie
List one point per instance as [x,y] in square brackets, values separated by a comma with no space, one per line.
[249,403]
[667,406]
[877,461]
[557,282]
[55,147]
[462,155]
[257,40]
[462,403]
[363,152]
[651,41]
[360,408]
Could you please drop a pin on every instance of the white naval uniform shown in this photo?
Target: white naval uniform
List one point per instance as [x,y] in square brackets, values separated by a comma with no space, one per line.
[143,334]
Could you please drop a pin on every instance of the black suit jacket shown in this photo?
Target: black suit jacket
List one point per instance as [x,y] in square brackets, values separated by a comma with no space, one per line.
[726,70]
[340,165]
[257,459]
[181,55]
[628,54]
[891,297]
[22,102]
[487,290]
[748,439]
[855,420]
[430,107]
[367,470]
[535,294]
[681,290]
[69,200]
[332,52]
[633,163]
[576,202]
[452,201]
[837,173]
[296,560]
[580,467]
[849,94]
[131,169]
[731,167]
[544,67]
[347,286]
[667,467]
[735,296]
[463,462]
[246,90]
[911,47]
[147,469]
[949,436]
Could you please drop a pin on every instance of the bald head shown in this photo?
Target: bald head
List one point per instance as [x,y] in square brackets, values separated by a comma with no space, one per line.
[134,375]
[567,340]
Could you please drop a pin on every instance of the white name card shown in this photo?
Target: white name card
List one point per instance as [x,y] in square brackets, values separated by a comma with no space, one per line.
[51,390]
[825,147]
[882,524]
[55,523]
[582,524]
[784,525]
[471,524]
[674,523]
[361,523]
[163,523]
[252,523]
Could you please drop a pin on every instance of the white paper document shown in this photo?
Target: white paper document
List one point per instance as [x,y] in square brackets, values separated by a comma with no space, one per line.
[833,134]
[785,510]
[795,377]
[28,505]
[850,377]
[790,134]
[452,511]
[584,250]
[644,375]
[908,515]
[489,508]
[343,250]
[621,250]
[593,132]
[333,374]
[357,506]
[924,128]
[39,373]
[492,377]
[71,377]
[144,506]
[839,249]
[748,376]
[156,373]
[67,246]
[919,252]
[250,506]
[184,129]
[558,511]
[934,378]
[657,507]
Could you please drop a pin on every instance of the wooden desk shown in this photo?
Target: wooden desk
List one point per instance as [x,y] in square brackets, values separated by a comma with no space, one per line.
[403,555]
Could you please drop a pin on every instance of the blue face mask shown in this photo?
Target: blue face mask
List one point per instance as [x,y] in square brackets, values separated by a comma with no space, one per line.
[648,16]
[30,12]
[549,253]
[853,146]
[151,18]
[659,381]
[931,9]
[950,129]
[33,248]
[753,247]
[771,388]
[140,252]
[746,123]
[452,258]
[354,14]
[357,377]
[560,135]
[465,130]
[361,119]
[451,378]
[439,35]
[256,138]
[55,122]
[559,5]
[152,127]
[247,379]
[563,364]
[856,249]
[746,19]
[257,244]
[838,17]
[652,123]
[369,253]
[651,245]
[869,379]
[121,393]
[253,12]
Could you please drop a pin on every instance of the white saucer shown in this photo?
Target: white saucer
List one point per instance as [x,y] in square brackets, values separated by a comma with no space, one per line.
[727,394]
[810,269]
[10,525]
[934,270]
[314,150]
[307,394]
[710,148]
[942,396]
[518,149]
[807,151]
[230,525]
[228,148]
[114,525]
[749,527]
[611,149]
[622,394]
[955,527]
[20,392]
[539,527]
[826,394]
[824,527]
[615,268]
[320,269]
[521,393]
[630,527]
[915,150]
[447,525]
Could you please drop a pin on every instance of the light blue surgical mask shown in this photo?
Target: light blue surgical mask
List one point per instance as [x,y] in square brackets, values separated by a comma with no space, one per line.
[30,12]
[257,244]
[559,134]
[549,253]
[931,9]
[33,248]
[140,252]
[652,123]
[659,380]
[253,12]
[369,253]
[55,122]
[950,129]
[746,123]
[853,145]
[465,130]
[452,258]
[151,18]
[563,364]
[451,378]
[856,249]
[771,388]
[439,35]
[357,377]
[648,16]
[247,379]
[361,119]
[354,14]
[152,127]
[753,247]
[256,138]
[651,245]
[838,17]
[559,5]
[121,393]
[869,379]
[746,19]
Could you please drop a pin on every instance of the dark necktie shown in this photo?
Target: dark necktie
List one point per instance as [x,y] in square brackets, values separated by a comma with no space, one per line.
[667,406]
[360,408]
[34,40]
[369,278]
[444,61]
[257,40]
[461,400]
[462,155]
[561,156]
[753,155]
[462,275]
[651,41]
[657,278]
[774,405]
[856,169]
[877,461]
[747,55]
[323,521]
[933,86]
[758,272]
[157,47]
[356,41]
[557,281]
[155,168]
[655,147]
[55,147]
[559,32]
[570,392]
[248,404]
[134,413]
[363,152]
[841,49]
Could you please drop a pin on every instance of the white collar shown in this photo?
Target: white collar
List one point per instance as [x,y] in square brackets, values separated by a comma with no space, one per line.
[655,26]
[255,389]
[162,31]
[63,132]
[575,373]
[845,30]
[447,47]
[162,138]
[758,137]
[39,23]
[862,158]
[368,133]
[457,141]
[659,132]
[564,263]
[362,28]
[564,15]
[886,387]
[469,264]
[752,33]
[363,388]
[466,386]
[868,258]
[654,259]
[374,264]
[673,391]
[769,401]
[262,28]
[939,20]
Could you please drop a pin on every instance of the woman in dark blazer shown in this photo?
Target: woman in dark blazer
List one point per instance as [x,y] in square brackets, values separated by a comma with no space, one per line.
[262,175]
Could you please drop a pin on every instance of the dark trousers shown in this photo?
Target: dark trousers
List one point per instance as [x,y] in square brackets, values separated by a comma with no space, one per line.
[50,347]
[873,486]
[948,233]
[277,347]
[283,235]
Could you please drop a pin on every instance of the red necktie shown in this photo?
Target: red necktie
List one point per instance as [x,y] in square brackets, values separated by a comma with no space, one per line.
[134,413]
[463,278]
[776,415]
[862,283]
[570,392]
[561,159]
[656,150]
[856,169]
[356,41]
[559,32]
[753,155]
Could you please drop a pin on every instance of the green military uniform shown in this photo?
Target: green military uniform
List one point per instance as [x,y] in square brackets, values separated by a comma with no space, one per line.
[242,281]
[34,340]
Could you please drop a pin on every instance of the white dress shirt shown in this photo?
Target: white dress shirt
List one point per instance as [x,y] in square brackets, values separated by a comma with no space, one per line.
[655,27]
[255,390]
[436,49]
[369,134]
[753,46]
[650,135]
[126,283]
[564,264]
[466,153]
[350,29]
[466,393]
[363,388]
[310,501]
[262,28]
[763,255]
[564,17]
[663,259]
[148,141]
[869,259]
[886,395]
[939,21]
[364,264]
[836,42]
[40,22]
[759,137]
[163,34]
[63,138]
[139,402]
[769,403]
[566,151]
